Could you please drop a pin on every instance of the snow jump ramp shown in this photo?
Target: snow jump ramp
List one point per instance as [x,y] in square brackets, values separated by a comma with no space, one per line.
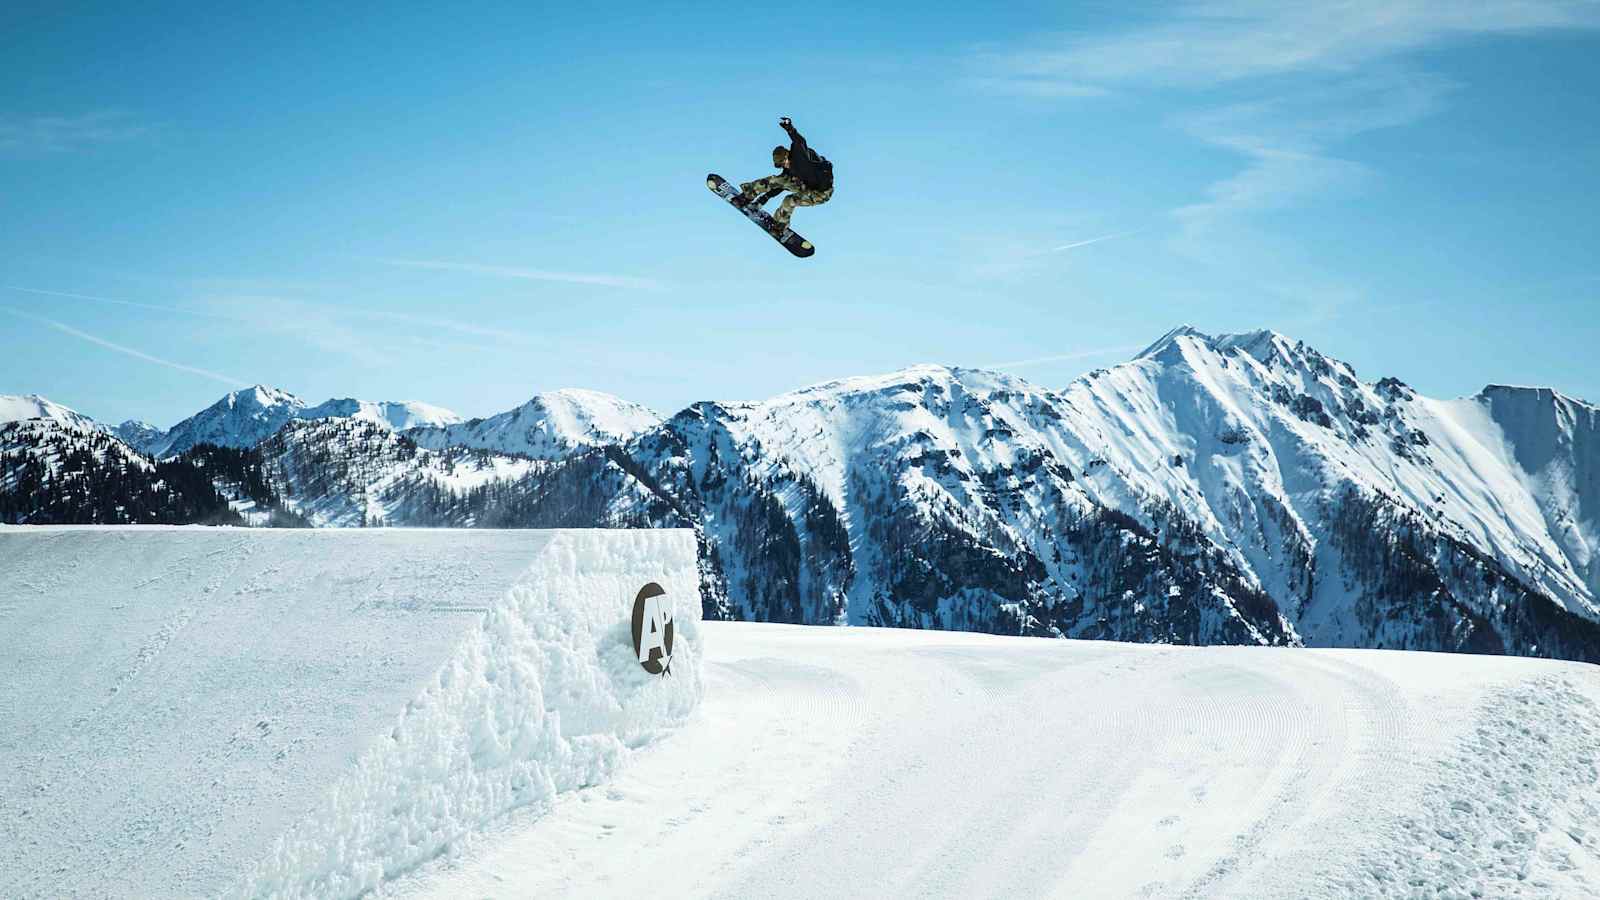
[250,713]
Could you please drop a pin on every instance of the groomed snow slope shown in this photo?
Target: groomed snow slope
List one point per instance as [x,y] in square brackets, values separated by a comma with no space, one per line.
[218,712]
[877,763]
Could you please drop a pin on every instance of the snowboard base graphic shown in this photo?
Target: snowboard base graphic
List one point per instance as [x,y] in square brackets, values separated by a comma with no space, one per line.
[784,235]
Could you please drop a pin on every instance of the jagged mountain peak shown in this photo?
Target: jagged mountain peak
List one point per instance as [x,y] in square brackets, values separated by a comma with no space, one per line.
[1279,351]
[1171,338]
[241,418]
[260,396]
[1264,345]
[1281,363]
[1261,342]
[1203,422]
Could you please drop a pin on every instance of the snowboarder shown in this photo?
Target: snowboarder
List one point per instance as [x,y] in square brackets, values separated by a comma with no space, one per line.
[805,174]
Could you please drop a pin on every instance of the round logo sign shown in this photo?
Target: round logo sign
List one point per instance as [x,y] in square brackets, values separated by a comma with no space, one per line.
[652,629]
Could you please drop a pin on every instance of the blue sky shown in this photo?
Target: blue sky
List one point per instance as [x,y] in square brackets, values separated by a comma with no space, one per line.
[469,207]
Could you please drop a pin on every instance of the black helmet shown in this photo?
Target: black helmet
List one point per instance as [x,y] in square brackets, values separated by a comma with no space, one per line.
[780,155]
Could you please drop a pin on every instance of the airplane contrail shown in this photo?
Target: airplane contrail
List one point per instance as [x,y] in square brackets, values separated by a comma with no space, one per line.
[1096,240]
[622,281]
[136,354]
[175,309]
[283,324]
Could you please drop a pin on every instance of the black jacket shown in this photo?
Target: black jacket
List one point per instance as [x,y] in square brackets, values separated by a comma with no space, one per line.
[803,167]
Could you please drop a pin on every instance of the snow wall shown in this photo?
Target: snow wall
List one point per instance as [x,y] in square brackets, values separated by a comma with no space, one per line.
[205,712]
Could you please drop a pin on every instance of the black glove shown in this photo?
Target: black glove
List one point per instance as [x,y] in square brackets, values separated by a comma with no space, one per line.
[785,123]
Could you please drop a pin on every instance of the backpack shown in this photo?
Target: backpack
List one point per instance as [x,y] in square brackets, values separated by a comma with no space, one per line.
[822,168]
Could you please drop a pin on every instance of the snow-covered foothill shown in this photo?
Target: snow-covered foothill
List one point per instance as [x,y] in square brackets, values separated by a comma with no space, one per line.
[15,408]
[49,441]
[139,435]
[551,425]
[222,712]
[342,472]
[397,416]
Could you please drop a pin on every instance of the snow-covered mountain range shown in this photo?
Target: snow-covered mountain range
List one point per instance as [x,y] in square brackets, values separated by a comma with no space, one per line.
[247,417]
[242,418]
[1215,489]
[1238,488]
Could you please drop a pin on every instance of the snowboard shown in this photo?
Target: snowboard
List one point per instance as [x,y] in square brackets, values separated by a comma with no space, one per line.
[792,242]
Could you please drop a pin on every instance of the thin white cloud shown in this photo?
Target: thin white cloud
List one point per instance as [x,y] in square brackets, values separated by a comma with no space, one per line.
[1063,357]
[1317,111]
[1274,179]
[59,134]
[1218,41]
[1333,70]
[128,351]
[619,281]
[1288,142]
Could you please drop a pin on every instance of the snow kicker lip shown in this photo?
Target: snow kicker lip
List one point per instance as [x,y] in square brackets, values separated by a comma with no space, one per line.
[312,713]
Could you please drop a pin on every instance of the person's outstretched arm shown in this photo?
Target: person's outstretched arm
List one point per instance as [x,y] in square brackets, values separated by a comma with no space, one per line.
[798,143]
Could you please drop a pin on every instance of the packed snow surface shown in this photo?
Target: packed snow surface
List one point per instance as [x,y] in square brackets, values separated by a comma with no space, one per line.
[219,712]
[877,763]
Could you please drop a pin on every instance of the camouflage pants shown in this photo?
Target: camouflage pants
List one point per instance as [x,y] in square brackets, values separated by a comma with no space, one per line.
[783,181]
